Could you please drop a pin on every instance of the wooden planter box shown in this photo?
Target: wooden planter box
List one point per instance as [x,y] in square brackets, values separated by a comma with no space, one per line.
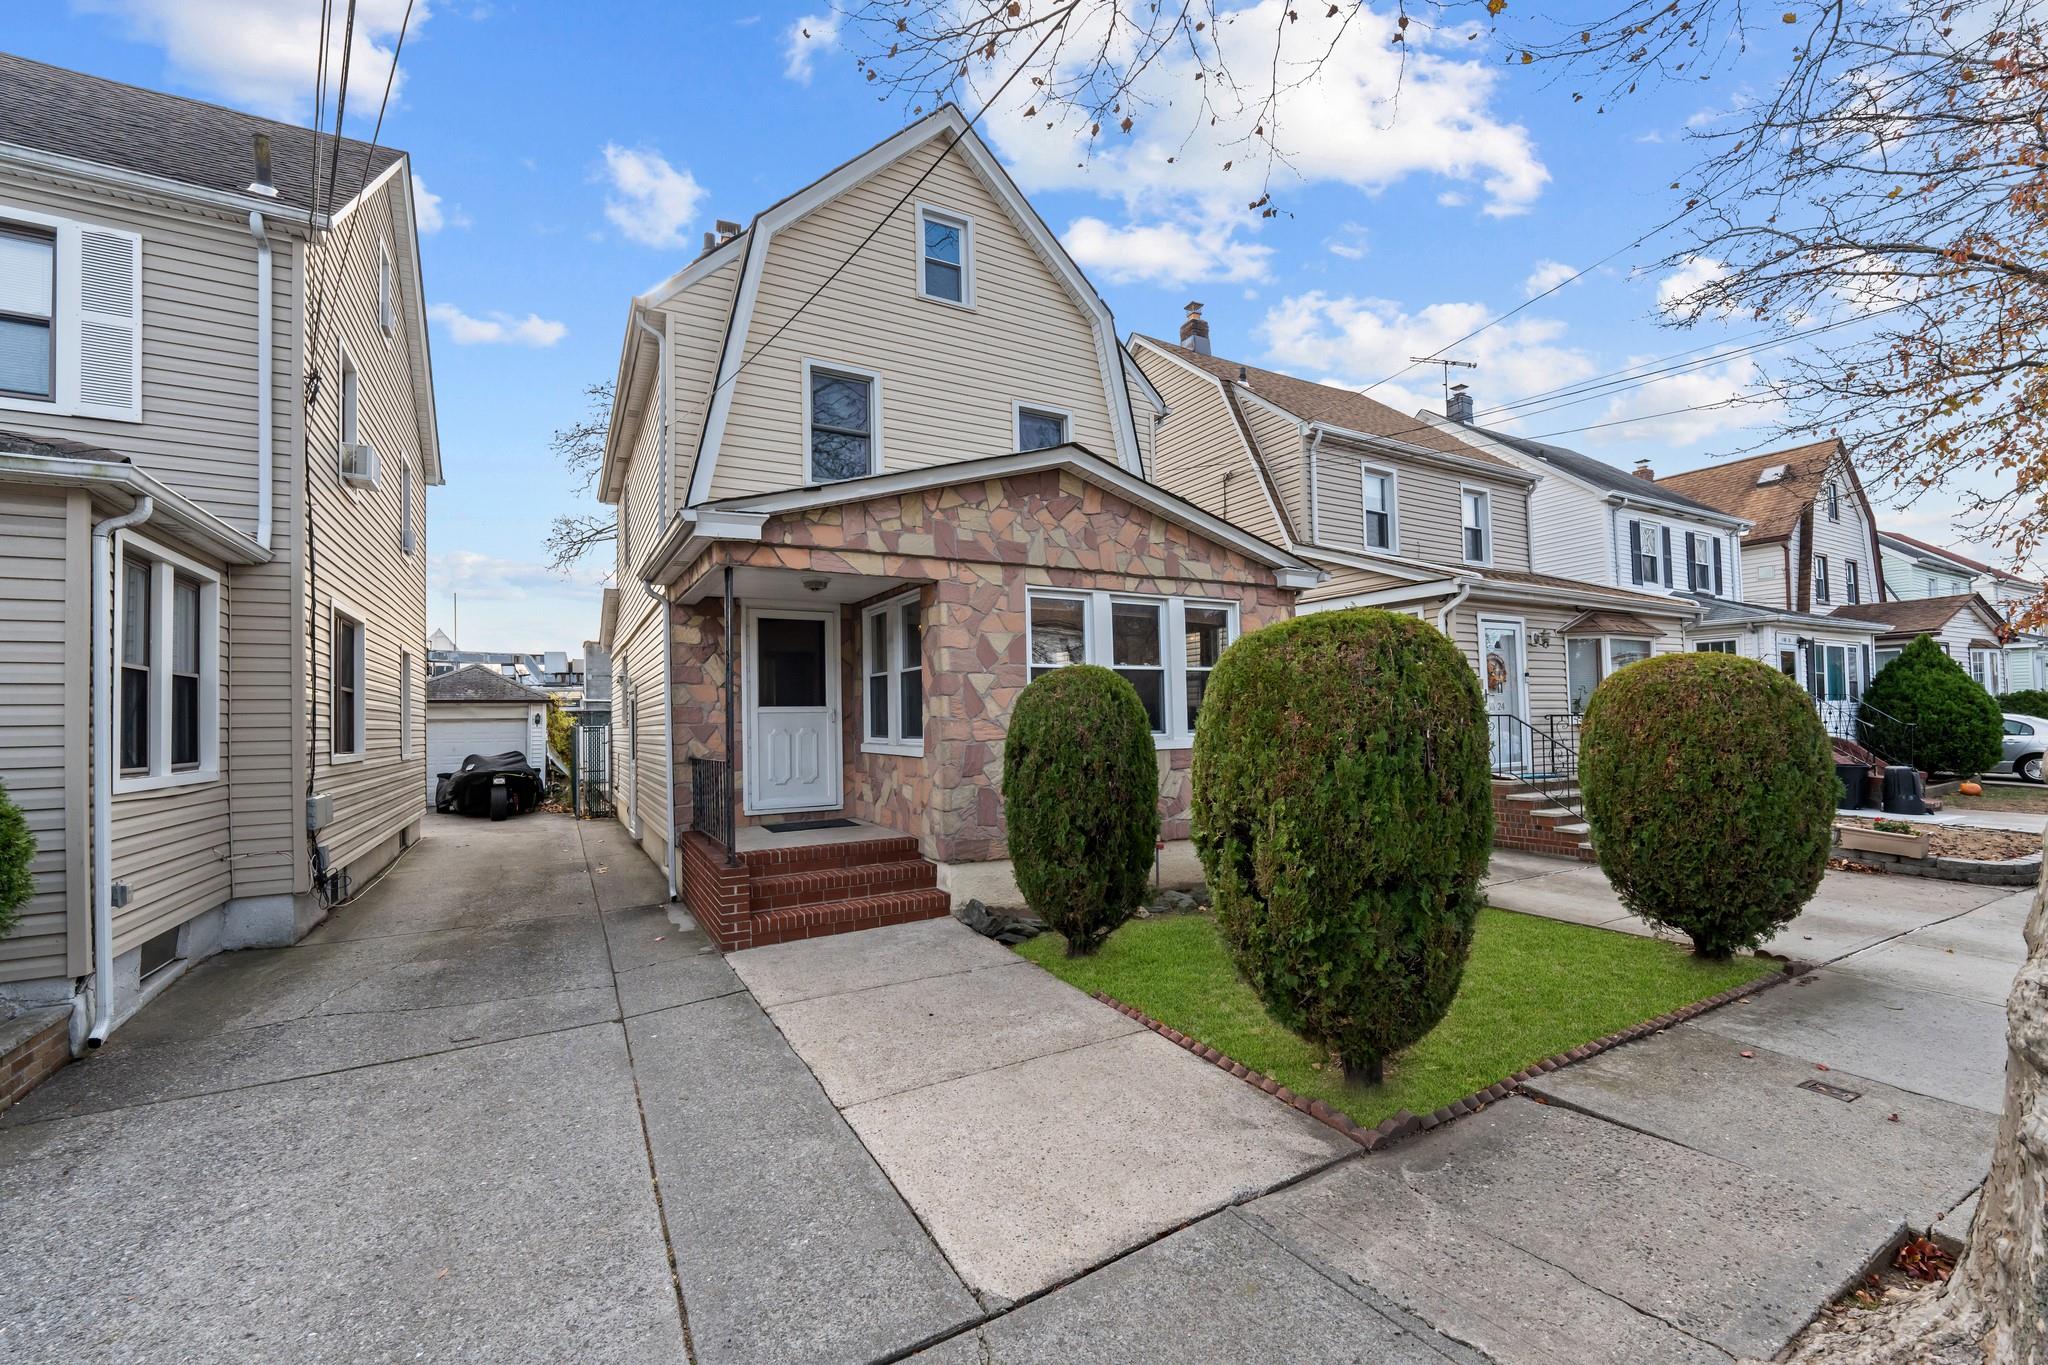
[1856,837]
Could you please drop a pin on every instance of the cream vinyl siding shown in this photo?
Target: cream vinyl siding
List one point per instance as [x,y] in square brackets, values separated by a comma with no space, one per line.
[1570,531]
[696,328]
[1201,454]
[1344,581]
[43,727]
[1431,525]
[355,549]
[1549,689]
[1765,579]
[1845,541]
[198,427]
[636,651]
[949,374]
[1281,446]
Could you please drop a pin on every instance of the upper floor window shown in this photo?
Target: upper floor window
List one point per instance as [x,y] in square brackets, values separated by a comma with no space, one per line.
[1377,494]
[168,692]
[28,313]
[1478,526]
[1699,562]
[1040,428]
[1130,634]
[387,292]
[1851,589]
[1833,496]
[1821,591]
[840,411]
[945,267]
[1642,552]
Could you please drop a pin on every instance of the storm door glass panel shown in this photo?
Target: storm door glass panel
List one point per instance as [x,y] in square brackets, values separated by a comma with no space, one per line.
[1208,631]
[1134,633]
[137,630]
[842,426]
[792,662]
[28,301]
[1837,673]
[1581,671]
[184,673]
[910,641]
[876,654]
[1059,633]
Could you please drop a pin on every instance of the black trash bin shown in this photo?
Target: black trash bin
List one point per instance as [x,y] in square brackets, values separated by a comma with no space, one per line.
[1855,780]
[1902,791]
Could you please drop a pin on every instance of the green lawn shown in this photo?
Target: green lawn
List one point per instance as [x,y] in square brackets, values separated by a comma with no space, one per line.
[1533,987]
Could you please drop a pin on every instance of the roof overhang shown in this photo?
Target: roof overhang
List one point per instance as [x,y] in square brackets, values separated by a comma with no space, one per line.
[162,189]
[1495,589]
[1662,507]
[122,486]
[607,619]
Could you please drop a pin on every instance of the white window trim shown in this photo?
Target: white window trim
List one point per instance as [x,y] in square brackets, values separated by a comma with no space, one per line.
[1098,644]
[165,566]
[407,540]
[1715,646]
[1019,406]
[387,293]
[1607,651]
[1822,586]
[66,399]
[874,379]
[336,609]
[952,218]
[407,703]
[1367,469]
[1486,503]
[892,648]
[345,360]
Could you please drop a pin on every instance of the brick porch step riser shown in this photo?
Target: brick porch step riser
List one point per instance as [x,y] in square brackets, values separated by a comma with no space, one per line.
[771,862]
[821,885]
[846,916]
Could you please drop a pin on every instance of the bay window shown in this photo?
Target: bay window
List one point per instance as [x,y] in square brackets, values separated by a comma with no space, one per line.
[167,688]
[892,670]
[1129,633]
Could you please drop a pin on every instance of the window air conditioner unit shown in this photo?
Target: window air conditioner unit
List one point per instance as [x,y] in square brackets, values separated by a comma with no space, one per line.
[358,464]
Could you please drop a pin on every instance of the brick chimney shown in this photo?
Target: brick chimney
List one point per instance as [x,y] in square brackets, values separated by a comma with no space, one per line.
[1458,404]
[1644,472]
[1194,332]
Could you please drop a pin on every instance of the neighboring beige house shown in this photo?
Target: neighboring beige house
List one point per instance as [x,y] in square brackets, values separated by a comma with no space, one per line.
[879,460]
[1967,628]
[213,599]
[1402,513]
[1915,569]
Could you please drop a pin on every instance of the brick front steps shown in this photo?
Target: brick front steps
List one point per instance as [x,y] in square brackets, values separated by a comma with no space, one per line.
[32,1047]
[1533,822]
[774,895]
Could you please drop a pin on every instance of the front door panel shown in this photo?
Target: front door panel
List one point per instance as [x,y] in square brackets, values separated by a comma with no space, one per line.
[792,759]
[1500,663]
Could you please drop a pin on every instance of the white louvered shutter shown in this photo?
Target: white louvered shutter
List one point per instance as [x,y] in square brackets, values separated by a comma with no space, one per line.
[107,340]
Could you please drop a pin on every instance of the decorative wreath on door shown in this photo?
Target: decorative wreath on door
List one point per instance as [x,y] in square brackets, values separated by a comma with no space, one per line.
[1496,673]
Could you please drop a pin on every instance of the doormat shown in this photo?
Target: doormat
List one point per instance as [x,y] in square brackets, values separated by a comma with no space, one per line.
[799,826]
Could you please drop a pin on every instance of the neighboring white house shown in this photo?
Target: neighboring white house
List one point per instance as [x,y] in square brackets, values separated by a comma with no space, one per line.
[1965,626]
[1913,568]
[477,710]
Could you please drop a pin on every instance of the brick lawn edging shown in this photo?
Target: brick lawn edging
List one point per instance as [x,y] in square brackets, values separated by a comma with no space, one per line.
[1403,1124]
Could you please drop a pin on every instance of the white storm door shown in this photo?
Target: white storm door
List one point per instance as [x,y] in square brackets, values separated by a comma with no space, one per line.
[1500,674]
[790,745]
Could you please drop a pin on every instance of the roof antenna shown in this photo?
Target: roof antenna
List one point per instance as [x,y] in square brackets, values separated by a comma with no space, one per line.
[1447,365]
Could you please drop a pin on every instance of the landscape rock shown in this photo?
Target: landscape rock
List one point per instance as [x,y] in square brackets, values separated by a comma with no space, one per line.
[1000,925]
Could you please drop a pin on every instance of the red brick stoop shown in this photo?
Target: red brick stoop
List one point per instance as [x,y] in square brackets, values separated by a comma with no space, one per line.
[778,894]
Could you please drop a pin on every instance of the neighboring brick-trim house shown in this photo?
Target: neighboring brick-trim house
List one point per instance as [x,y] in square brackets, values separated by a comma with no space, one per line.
[870,481]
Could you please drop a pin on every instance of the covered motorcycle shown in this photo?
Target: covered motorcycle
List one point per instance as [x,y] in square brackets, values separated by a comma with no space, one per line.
[498,785]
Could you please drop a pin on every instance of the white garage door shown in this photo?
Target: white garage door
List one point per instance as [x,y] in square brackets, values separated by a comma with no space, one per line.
[451,741]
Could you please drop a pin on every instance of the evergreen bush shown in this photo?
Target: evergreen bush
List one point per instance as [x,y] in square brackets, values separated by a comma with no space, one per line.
[1343,811]
[1081,801]
[1710,786]
[1924,708]
[17,847]
[2028,701]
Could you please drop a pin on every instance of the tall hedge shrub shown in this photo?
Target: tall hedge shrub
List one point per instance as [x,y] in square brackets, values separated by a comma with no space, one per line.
[1081,801]
[1343,812]
[1710,786]
[17,847]
[2028,701]
[1923,707]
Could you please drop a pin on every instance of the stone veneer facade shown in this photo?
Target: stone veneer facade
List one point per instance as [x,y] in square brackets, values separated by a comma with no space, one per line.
[977,546]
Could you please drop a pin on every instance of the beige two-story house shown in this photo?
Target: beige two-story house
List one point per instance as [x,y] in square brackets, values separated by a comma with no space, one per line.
[216,426]
[1402,513]
[880,460]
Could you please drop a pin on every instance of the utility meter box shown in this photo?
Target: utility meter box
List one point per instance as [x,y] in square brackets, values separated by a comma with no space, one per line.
[319,812]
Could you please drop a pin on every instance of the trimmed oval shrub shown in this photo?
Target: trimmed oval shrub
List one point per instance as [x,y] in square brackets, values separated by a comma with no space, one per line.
[1081,801]
[1924,708]
[1710,786]
[1343,811]
[17,847]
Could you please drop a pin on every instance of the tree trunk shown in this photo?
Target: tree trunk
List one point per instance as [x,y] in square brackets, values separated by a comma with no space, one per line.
[1994,1309]
[1369,1073]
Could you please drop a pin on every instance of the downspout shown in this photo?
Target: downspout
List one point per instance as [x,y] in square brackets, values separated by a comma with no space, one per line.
[1315,511]
[103,626]
[264,365]
[1443,616]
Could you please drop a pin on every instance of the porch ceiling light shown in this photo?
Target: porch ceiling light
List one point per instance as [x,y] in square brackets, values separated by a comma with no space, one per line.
[817,584]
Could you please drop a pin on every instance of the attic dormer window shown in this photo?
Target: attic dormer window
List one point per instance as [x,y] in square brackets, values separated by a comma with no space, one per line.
[945,267]
[1834,498]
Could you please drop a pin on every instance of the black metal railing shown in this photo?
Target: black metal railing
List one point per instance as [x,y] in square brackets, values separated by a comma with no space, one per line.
[710,803]
[1890,738]
[1544,758]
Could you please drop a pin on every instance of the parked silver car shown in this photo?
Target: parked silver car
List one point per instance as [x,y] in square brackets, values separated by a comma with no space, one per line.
[2025,739]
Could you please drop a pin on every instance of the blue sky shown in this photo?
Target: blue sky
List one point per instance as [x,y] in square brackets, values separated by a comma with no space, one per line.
[574,154]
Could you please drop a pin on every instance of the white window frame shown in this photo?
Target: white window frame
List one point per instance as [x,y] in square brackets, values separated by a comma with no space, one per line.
[1646,560]
[1699,573]
[1823,590]
[889,611]
[406,539]
[166,566]
[874,380]
[1852,583]
[1018,407]
[68,316]
[1722,646]
[344,367]
[952,218]
[1098,644]
[1368,470]
[337,611]
[387,293]
[1607,642]
[406,706]
[1485,495]
[1882,657]
[1831,498]
[42,235]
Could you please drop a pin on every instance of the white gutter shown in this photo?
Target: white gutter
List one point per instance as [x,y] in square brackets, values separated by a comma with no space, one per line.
[1443,616]
[103,626]
[661,408]
[264,364]
[1315,511]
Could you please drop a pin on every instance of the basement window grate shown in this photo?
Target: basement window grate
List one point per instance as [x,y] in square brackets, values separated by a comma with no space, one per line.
[1833,1092]
[159,953]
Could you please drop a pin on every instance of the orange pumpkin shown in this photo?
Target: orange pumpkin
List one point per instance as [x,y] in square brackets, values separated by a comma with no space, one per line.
[1970,788]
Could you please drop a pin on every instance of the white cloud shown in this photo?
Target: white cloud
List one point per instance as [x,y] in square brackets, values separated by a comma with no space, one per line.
[263,54]
[1546,275]
[1349,243]
[515,603]
[652,202]
[496,328]
[1452,199]
[1697,272]
[802,41]
[1672,411]
[430,213]
[1164,253]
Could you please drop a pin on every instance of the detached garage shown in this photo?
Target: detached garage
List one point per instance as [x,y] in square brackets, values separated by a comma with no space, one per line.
[478,710]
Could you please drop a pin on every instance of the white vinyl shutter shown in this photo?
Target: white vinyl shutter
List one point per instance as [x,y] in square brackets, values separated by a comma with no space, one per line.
[107,340]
